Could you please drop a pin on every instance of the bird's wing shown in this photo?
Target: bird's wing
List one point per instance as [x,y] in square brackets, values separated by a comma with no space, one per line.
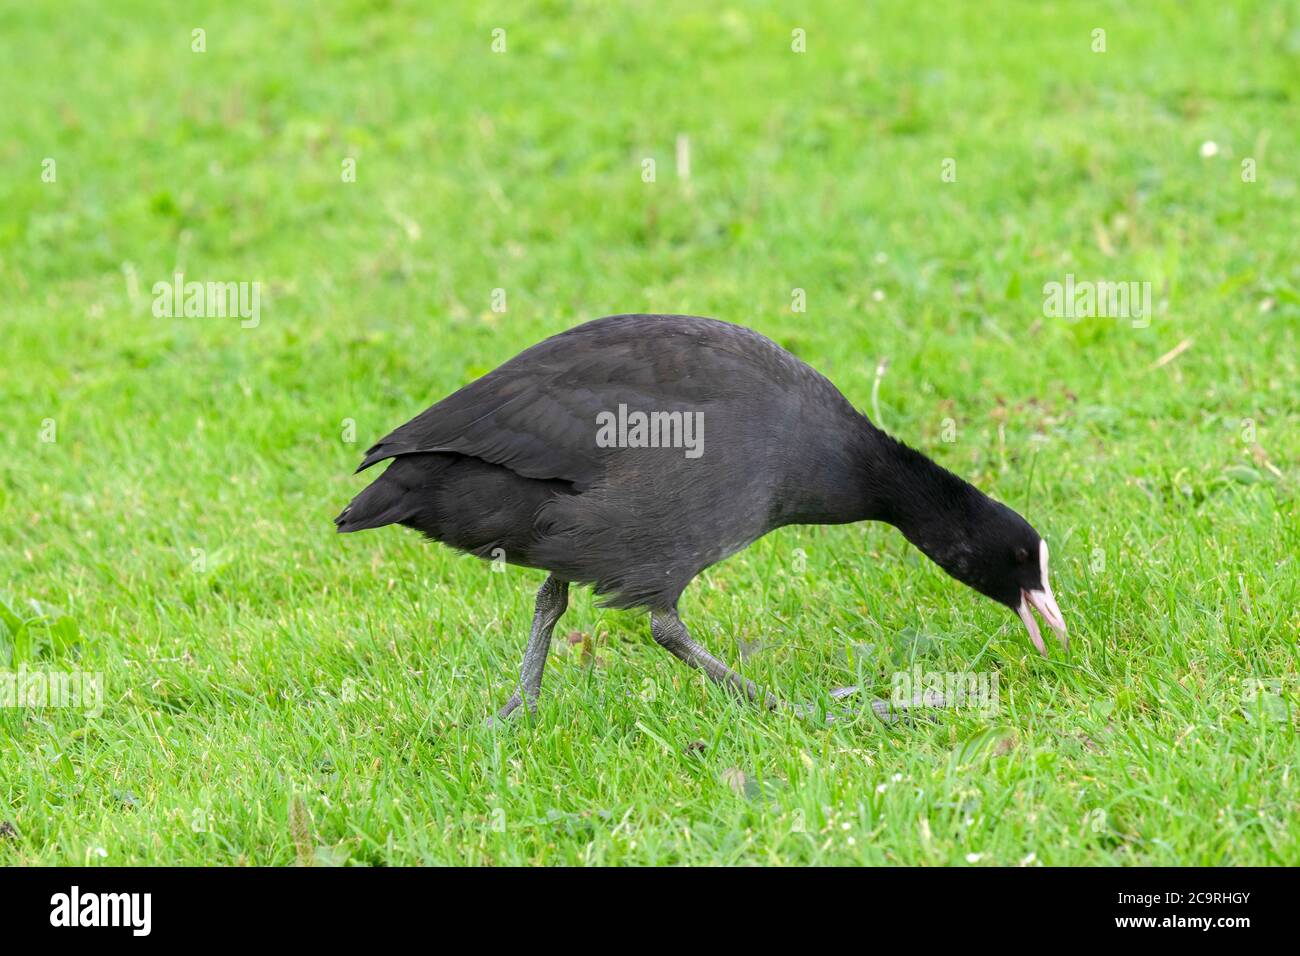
[537,413]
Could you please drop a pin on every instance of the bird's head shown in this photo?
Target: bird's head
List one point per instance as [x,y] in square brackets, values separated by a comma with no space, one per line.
[995,551]
[1009,564]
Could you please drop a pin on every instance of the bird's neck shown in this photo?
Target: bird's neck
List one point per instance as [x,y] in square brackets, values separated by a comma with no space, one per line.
[874,477]
[931,506]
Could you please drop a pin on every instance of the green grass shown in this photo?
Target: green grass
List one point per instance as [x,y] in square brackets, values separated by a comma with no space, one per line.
[276,693]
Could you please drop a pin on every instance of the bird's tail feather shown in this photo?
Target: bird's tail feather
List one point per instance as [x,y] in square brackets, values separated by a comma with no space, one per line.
[384,501]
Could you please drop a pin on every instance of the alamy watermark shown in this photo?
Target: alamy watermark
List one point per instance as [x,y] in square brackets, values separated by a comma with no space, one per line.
[1085,299]
[75,908]
[638,429]
[208,300]
[975,690]
[38,689]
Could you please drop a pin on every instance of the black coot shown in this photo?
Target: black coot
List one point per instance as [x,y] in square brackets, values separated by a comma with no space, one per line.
[634,451]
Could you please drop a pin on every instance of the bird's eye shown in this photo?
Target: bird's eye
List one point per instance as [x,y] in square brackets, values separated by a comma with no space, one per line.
[1022,556]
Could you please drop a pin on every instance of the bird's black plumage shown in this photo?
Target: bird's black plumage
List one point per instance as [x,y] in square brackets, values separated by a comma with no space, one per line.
[510,465]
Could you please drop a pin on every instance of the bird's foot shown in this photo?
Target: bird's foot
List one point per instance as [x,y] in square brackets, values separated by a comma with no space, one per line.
[512,705]
[887,711]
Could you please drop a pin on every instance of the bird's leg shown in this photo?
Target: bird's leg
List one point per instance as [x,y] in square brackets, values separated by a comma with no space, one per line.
[552,599]
[887,711]
[670,633]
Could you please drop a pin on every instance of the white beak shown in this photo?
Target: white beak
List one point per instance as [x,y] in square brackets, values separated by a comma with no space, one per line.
[1044,603]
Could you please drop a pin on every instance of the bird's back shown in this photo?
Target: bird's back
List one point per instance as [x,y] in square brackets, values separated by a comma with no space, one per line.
[536,413]
[639,521]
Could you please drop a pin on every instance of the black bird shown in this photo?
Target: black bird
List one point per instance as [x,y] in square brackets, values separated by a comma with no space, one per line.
[634,451]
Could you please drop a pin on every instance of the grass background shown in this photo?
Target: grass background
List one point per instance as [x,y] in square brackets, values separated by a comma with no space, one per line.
[278,694]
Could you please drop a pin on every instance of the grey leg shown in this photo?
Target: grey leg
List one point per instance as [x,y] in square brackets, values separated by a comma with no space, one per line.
[887,711]
[552,599]
[670,633]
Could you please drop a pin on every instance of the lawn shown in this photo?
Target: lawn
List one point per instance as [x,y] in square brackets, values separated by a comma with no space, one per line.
[418,206]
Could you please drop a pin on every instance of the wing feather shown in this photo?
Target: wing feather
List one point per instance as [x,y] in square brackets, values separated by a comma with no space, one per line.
[537,413]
